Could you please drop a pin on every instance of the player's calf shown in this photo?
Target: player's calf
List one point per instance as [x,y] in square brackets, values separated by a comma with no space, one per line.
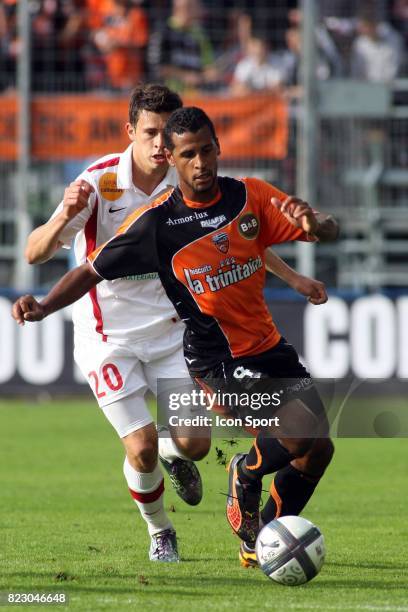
[192,447]
[294,485]
[145,478]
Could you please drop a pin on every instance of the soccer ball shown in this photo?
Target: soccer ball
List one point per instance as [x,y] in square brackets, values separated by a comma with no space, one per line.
[290,550]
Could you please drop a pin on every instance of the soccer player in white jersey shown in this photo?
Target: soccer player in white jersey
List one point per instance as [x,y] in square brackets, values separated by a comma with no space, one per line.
[127,334]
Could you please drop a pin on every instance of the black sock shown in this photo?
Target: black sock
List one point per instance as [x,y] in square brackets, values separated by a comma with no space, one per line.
[265,457]
[290,492]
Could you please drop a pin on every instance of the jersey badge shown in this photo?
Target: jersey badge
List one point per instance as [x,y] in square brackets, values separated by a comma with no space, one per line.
[108,187]
[248,226]
[214,222]
[221,241]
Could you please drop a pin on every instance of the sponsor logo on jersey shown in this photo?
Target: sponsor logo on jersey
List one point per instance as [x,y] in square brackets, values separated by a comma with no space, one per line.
[141,277]
[112,210]
[195,216]
[215,222]
[221,241]
[223,277]
[108,187]
[248,226]
[201,269]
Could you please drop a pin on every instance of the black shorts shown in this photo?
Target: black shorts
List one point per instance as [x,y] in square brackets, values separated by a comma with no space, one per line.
[263,384]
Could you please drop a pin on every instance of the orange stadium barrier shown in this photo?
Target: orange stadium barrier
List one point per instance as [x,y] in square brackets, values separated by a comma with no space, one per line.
[78,126]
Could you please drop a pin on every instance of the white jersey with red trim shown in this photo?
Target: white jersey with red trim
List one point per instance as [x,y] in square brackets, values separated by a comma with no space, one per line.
[130,309]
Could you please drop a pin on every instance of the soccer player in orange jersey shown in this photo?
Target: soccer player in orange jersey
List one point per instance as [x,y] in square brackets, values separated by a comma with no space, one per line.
[206,239]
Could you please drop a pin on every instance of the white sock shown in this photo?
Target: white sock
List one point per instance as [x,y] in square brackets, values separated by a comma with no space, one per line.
[147,490]
[168,448]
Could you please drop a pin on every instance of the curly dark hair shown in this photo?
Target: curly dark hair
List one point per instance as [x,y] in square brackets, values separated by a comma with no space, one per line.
[153,98]
[188,119]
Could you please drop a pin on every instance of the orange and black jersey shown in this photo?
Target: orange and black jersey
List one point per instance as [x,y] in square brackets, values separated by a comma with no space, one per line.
[210,259]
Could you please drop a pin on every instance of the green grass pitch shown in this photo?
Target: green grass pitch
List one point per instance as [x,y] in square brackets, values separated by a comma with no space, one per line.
[68,523]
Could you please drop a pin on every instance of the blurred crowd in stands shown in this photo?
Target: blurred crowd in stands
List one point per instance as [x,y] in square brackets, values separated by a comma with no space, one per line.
[200,46]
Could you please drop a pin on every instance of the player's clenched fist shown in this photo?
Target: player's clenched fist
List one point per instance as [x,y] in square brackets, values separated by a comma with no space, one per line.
[298,212]
[314,290]
[76,198]
[27,308]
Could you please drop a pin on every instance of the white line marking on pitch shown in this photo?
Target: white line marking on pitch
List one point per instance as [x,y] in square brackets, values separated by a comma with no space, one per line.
[385,608]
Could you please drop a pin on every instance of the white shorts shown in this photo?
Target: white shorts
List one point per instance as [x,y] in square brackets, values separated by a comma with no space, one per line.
[115,372]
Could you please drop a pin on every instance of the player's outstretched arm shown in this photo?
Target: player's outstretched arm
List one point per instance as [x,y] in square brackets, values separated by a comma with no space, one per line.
[44,241]
[68,290]
[314,290]
[319,225]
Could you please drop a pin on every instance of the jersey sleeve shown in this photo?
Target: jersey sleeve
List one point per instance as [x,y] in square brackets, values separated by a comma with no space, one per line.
[76,224]
[132,250]
[275,228]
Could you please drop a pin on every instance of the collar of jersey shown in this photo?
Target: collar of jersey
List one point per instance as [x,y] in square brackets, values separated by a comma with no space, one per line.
[192,204]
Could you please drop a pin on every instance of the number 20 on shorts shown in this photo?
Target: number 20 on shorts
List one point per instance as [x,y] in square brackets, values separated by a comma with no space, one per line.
[111,376]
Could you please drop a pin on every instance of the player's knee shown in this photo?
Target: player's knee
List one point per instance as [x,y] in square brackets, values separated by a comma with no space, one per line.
[194,448]
[143,455]
[141,448]
[323,449]
[148,458]
[318,458]
[298,446]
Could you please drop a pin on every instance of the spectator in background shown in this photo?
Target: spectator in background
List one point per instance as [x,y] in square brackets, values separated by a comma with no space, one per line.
[259,70]
[57,36]
[236,39]
[122,43]
[180,53]
[329,63]
[343,9]
[399,18]
[96,13]
[377,51]
[9,43]
[72,38]
[3,37]
[44,51]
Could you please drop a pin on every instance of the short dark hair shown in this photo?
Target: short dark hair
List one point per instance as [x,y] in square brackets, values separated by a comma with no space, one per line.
[153,98]
[188,119]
